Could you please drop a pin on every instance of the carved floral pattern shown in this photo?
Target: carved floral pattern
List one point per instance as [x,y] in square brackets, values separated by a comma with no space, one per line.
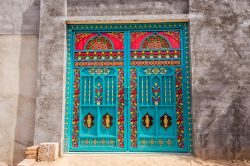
[147,121]
[155,42]
[75,129]
[89,120]
[98,93]
[133,107]
[179,107]
[99,42]
[154,54]
[156,94]
[155,63]
[165,121]
[107,121]
[99,55]
[79,64]
[121,107]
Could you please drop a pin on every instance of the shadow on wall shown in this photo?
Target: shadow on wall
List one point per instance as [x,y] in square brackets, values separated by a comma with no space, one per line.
[25,122]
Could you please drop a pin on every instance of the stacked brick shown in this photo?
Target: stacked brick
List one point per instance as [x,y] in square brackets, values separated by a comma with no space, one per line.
[44,152]
[31,152]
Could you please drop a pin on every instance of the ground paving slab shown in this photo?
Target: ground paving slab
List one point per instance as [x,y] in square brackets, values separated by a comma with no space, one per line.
[137,160]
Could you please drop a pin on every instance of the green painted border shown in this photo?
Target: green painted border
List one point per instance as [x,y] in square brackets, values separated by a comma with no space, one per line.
[184,26]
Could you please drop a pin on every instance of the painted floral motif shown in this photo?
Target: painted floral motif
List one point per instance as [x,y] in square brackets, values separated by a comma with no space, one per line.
[98,93]
[75,129]
[133,107]
[109,142]
[174,34]
[99,71]
[179,107]
[80,36]
[99,42]
[165,121]
[155,42]
[147,121]
[155,54]
[107,121]
[89,120]
[156,94]
[136,35]
[99,55]
[155,63]
[155,71]
[117,35]
[79,64]
[121,107]
[156,142]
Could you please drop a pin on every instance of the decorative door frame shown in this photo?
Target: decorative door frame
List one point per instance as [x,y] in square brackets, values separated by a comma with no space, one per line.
[185,83]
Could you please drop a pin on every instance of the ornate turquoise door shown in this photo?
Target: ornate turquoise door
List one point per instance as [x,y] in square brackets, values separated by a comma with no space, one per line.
[128,88]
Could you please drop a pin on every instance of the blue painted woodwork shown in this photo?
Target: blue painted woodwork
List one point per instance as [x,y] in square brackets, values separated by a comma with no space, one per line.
[156,96]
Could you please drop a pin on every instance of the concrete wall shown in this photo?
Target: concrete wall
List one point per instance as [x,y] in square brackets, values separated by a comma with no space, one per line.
[19,23]
[126,7]
[220,66]
[18,72]
[220,49]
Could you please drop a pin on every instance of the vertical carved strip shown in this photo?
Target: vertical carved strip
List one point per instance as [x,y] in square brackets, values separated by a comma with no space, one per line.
[108,91]
[179,107]
[89,90]
[133,107]
[147,90]
[75,123]
[85,89]
[142,91]
[169,90]
[112,92]
[165,89]
[120,107]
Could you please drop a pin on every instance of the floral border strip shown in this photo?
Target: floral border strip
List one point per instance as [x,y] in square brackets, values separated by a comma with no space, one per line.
[179,107]
[153,63]
[89,64]
[121,107]
[133,107]
[98,55]
[155,54]
[75,127]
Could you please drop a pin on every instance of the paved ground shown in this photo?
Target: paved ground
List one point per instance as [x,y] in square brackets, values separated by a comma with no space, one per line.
[136,160]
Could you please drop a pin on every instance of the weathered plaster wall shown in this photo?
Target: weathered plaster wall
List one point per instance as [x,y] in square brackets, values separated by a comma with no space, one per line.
[18,72]
[126,7]
[220,49]
[19,17]
[51,63]
[48,122]
[19,22]
[220,67]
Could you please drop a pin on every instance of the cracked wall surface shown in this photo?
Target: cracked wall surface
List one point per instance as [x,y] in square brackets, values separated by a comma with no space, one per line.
[219,42]
[220,49]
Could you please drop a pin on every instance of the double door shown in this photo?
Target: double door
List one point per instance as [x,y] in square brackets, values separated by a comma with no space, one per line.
[129,89]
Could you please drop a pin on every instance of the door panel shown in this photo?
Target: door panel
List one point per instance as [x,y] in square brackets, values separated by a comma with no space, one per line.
[128,89]
[156,119]
[98,117]
[155,57]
